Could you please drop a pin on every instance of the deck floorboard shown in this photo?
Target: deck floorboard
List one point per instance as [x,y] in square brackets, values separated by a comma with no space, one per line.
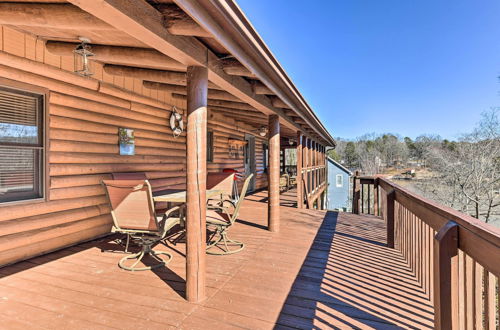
[322,270]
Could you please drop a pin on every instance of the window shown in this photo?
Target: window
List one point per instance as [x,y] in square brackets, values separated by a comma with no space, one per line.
[265,156]
[210,146]
[339,180]
[21,145]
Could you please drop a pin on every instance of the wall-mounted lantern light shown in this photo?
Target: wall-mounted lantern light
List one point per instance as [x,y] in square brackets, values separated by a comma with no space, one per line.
[81,55]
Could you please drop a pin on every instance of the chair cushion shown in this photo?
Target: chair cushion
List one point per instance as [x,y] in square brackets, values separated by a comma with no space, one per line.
[217,218]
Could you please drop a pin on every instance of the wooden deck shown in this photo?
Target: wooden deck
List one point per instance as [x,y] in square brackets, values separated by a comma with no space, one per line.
[322,270]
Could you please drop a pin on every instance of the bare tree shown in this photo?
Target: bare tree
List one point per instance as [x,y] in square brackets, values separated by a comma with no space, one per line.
[467,173]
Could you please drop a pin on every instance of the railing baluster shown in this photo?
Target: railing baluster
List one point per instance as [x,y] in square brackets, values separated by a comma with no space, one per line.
[445,276]
[462,315]
[469,291]
[369,211]
[389,213]
[478,296]
[490,309]
[362,198]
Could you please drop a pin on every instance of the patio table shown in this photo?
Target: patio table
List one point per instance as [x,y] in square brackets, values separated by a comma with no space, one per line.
[179,196]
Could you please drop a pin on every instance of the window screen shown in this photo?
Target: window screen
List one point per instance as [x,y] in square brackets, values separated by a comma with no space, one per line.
[21,145]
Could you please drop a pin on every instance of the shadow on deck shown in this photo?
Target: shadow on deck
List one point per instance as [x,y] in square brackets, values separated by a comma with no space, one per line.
[322,269]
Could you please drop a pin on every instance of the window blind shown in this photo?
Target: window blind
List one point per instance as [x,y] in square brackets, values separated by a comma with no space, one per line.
[21,151]
[18,109]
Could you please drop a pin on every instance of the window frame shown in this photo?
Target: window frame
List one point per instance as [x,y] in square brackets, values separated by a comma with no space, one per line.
[42,175]
[210,146]
[265,156]
[337,176]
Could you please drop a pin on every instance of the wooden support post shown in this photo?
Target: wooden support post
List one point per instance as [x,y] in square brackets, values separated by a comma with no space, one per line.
[300,196]
[313,172]
[274,174]
[316,163]
[321,163]
[356,185]
[197,90]
[446,277]
[307,164]
[375,198]
[323,202]
[311,163]
[390,217]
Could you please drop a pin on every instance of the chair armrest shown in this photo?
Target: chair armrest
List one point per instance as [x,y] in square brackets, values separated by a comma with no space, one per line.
[221,206]
[174,220]
[180,208]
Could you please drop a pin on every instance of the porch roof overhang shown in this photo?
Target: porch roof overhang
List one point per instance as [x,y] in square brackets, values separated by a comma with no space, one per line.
[227,27]
[228,24]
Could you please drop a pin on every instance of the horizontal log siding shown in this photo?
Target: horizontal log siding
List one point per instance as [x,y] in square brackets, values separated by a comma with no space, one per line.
[83,150]
[222,159]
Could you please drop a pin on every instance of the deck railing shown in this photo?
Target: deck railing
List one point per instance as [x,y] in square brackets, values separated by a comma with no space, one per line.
[314,181]
[455,257]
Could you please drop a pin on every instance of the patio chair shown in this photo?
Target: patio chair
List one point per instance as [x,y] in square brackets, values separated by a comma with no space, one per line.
[127,176]
[223,182]
[284,182]
[221,219]
[132,209]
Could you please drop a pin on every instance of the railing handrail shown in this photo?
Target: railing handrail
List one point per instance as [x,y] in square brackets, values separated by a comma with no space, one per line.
[472,225]
[476,226]
[455,256]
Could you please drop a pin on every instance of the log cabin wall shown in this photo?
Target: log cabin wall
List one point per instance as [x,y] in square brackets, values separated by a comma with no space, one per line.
[84,116]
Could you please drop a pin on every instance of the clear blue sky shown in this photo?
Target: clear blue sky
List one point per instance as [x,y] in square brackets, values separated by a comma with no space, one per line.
[402,66]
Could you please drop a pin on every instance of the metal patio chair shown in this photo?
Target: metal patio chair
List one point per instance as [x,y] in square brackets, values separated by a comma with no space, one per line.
[225,183]
[127,176]
[220,218]
[132,209]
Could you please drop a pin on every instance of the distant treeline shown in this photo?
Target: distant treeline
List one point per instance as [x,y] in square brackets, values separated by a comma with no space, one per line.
[465,172]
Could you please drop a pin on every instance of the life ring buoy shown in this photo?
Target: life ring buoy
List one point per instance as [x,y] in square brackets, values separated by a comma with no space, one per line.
[176,123]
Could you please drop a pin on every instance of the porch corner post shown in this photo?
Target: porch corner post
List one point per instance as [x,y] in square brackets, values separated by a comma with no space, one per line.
[300,185]
[446,277]
[390,217]
[355,193]
[197,91]
[274,174]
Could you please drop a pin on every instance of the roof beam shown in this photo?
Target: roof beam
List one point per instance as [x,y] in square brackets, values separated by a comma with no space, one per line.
[169,88]
[261,89]
[218,102]
[256,114]
[177,22]
[232,67]
[143,22]
[232,30]
[278,103]
[161,76]
[130,56]
[50,16]
[237,116]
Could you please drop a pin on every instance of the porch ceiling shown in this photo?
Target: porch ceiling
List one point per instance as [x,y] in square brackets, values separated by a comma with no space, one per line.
[132,37]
